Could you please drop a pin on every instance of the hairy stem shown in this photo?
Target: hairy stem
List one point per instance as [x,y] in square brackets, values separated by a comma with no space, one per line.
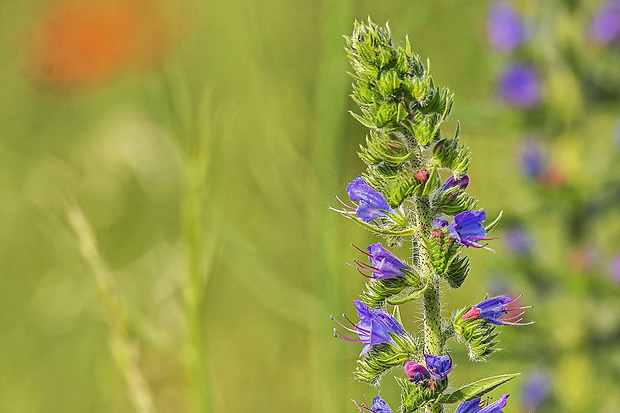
[433,344]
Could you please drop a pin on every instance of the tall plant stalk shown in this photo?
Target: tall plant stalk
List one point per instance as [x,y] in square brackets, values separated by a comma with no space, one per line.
[402,198]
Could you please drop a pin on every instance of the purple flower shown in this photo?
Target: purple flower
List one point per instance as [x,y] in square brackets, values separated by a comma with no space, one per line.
[374,327]
[467,229]
[532,159]
[519,86]
[492,309]
[416,372]
[475,406]
[506,29]
[605,27]
[535,390]
[380,406]
[518,241]
[614,268]
[439,222]
[461,182]
[438,366]
[371,203]
[383,264]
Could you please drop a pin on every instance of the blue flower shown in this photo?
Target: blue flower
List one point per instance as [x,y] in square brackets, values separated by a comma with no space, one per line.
[519,86]
[380,406]
[383,264]
[492,309]
[438,366]
[374,327]
[461,182]
[475,406]
[467,229]
[536,390]
[532,159]
[506,29]
[371,203]
[605,27]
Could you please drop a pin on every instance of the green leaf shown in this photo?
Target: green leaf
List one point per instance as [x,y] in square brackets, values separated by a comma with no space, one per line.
[476,389]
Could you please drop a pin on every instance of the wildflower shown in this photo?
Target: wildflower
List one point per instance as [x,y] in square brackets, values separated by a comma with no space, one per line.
[605,27]
[492,309]
[374,327]
[535,390]
[77,44]
[439,223]
[378,406]
[518,241]
[422,175]
[614,268]
[461,182]
[519,86]
[438,366]
[371,203]
[475,406]
[416,372]
[505,28]
[467,229]
[532,159]
[383,264]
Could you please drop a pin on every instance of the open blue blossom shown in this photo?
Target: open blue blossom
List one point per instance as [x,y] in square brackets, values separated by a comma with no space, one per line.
[519,86]
[467,229]
[492,309]
[461,182]
[374,327]
[506,29]
[383,264]
[605,27]
[371,203]
[475,406]
[438,366]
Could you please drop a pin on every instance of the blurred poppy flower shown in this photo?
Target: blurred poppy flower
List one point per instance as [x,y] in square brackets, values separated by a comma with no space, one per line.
[83,43]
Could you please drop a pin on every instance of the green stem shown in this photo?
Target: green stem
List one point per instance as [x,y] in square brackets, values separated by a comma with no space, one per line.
[433,343]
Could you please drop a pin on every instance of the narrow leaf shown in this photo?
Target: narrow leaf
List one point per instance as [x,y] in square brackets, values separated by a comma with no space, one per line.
[476,389]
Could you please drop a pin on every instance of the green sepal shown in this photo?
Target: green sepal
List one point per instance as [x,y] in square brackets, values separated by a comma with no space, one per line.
[383,358]
[363,120]
[395,183]
[457,271]
[478,335]
[432,183]
[476,389]
[441,250]
[453,201]
[447,153]
[494,223]
[379,291]
[396,315]
[381,148]
[417,395]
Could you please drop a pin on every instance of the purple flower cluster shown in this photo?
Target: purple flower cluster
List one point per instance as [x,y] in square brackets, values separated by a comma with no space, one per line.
[492,309]
[505,28]
[437,368]
[605,27]
[520,86]
[383,264]
[374,327]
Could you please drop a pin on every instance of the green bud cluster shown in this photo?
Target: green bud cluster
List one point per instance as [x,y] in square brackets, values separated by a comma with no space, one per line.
[478,334]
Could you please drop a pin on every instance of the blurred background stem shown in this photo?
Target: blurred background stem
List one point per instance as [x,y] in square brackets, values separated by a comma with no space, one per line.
[124,349]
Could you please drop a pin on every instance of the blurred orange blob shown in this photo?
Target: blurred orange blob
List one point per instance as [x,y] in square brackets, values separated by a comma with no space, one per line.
[83,43]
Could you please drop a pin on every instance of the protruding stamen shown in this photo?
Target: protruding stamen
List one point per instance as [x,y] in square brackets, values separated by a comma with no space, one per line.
[361,250]
[345,204]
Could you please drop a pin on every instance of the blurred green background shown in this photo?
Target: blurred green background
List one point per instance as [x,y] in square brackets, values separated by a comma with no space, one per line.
[255,95]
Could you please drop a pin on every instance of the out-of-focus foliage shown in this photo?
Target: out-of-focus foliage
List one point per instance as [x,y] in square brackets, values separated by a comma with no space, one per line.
[252,98]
